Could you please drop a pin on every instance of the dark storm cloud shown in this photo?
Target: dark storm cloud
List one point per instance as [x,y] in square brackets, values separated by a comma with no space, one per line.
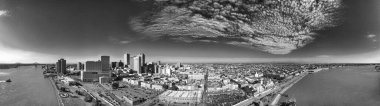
[277,27]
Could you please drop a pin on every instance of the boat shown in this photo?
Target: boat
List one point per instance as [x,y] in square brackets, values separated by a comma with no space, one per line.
[8,80]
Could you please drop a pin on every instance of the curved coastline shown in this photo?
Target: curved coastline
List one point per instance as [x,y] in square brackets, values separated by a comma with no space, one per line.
[278,96]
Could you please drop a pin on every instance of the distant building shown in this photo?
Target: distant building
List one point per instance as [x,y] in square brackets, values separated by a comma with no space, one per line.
[142,56]
[104,79]
[95,69]
[137,64]
[93,66]
[196,76]
[67,80]
[181,97]
[89,76]
[120,64]
[113,65]
[80,66]
[151,68]
[61,66]
[105,63]
[178,64]
[127,59]
[156,69]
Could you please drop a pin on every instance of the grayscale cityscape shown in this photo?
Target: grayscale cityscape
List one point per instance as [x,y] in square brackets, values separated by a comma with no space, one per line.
[189,53]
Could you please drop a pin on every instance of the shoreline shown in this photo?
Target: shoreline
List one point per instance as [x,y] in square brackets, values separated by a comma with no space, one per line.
[60,102]
[278,96]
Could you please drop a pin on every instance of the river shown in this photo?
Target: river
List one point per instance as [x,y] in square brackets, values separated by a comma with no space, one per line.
[28,88]
[348,86]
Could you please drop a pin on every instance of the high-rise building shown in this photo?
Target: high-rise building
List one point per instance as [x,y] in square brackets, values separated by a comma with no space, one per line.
[142,56]
[178,65]
[58,66]
[127,59]
[137,64]
[156,69]
[93,66]
[105,63]
[80,66]
[61,66]
[113,65]
[120,64]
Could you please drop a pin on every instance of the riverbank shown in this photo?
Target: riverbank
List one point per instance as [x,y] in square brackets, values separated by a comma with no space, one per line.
[59,99]
[278,96]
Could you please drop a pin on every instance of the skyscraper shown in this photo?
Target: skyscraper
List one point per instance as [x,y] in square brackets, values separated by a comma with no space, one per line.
[137,64]
[142,56]
[127,59]
[105,63]
[61,66]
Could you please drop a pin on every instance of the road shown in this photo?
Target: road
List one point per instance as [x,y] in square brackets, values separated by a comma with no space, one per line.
[249,101]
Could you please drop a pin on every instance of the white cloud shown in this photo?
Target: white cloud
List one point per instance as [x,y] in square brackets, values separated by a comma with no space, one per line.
[323,56]
[371,36]
[3,12]
[125,42]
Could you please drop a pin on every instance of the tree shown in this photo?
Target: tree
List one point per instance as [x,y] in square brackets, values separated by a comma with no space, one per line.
[88,98]
[115,85]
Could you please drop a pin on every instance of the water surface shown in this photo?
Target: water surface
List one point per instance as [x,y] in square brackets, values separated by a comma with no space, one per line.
[28,88]
[349,86]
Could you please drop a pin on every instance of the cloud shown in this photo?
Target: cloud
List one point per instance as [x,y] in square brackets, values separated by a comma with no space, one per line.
[3,13]
[125,42]
[371,36]
[323,56]
[276,27]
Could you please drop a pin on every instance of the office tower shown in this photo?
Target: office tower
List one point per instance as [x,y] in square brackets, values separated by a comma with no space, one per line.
[105,63]
[158,62]
[156,68]
[142,56]
[113,65]
[178,64]
[93,66]
[127,59]
[151,68]
[120,64]
[61,66]
[137,64]
[80,66]
[58,66]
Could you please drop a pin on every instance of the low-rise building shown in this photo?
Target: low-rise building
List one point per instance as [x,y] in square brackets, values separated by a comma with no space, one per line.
[67,80]
[131,81]
[157,87]
[90,76]
[104,79]
[181,97]
[145,85]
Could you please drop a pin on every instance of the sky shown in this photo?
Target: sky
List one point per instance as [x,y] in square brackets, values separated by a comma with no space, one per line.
[81,30]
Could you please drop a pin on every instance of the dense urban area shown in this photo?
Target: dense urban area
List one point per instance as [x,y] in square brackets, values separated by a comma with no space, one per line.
[132,81]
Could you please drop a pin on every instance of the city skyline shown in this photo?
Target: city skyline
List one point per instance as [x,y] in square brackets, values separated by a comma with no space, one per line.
[43,31]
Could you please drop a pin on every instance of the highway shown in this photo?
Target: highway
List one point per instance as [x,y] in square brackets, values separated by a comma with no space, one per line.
[249,101]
